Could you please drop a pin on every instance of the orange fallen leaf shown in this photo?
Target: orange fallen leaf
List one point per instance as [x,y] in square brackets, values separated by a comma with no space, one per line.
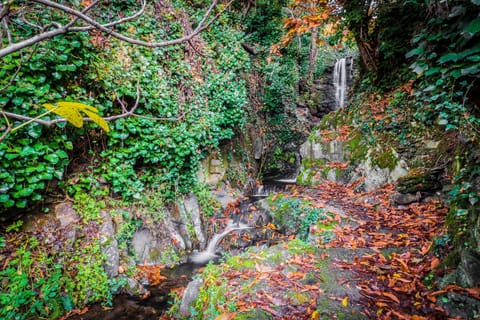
[435,262]
[391,296]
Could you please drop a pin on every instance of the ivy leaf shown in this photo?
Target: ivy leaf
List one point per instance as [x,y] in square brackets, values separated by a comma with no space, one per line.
[415,52]
[25,192]
[52,158]
[448,57]
[473,27]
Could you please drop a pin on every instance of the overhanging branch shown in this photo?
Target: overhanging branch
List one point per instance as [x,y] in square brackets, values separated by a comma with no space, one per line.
[92,24]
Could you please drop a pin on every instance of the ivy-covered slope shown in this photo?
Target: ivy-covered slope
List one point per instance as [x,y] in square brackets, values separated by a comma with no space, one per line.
[190,98]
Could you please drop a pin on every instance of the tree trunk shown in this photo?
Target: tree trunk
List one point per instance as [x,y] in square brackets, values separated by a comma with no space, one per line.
[312,58]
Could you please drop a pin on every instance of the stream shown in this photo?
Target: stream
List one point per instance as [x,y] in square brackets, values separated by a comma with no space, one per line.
[240,236]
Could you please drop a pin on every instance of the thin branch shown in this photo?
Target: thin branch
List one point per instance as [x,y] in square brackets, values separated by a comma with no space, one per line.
[203,24]
[116,22]
[4,10]
[7,31]
[8,128]
[33,25]
[95,25]
[42,36]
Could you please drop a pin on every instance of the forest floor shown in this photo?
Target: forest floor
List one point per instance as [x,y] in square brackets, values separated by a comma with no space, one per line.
[375,261]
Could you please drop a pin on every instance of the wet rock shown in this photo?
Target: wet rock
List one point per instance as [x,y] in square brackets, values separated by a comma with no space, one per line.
[469,269]
[190,295]
[427,180]
[406,198]
[109,245]
[146,248]
[192,210]
[258,149]
[223,196]
[134,288]
[65,214]
[68,218]
[460,306]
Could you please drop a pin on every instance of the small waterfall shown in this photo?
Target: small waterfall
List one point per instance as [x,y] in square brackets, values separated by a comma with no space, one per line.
[210,252]
[340,82]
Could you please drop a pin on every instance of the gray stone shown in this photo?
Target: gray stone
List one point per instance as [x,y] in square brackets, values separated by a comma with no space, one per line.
[406,198]
[400,170]
[65,214]
[224,196]
[109,245]
[134,288]
[173,232]
[469,269]
[216,166]
[146,248]
[190,295]
[192,208]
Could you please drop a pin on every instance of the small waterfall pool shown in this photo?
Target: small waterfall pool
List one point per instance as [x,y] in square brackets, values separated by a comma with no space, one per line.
[155,305]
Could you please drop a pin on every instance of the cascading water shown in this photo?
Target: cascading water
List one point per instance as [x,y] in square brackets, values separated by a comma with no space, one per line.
[210,253]
[340,82]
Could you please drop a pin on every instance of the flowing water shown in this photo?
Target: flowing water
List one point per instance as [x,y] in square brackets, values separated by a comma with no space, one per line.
[127,307]
[340,81]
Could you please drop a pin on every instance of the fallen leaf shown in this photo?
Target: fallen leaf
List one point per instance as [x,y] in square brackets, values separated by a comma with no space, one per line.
[391,296]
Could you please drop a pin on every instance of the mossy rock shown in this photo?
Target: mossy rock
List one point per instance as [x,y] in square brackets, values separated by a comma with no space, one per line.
[386,159]
[427,181]
[256,314]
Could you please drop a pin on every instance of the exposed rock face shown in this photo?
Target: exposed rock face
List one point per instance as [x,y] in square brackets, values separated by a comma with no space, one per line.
[190,295]
[331,159]
[109,245]
[469,269]
[192,210]
[146,248]
[65,214]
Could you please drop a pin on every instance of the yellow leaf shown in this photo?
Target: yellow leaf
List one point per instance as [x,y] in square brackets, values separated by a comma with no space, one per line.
[345,301]
[98,120]
[77,105]
[70,114]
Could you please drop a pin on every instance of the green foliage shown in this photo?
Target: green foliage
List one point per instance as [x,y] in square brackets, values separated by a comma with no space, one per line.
[294,216]
[28,164]
[211,301]
[88,207]
[447,67]
[208,204]
[34,156]
[38,285]
[91,283]
[201,103]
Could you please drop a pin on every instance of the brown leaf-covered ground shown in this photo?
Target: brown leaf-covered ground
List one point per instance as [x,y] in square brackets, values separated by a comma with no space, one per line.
[379,264]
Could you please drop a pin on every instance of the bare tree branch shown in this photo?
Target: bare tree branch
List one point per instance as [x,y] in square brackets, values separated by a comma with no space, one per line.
[107,28]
